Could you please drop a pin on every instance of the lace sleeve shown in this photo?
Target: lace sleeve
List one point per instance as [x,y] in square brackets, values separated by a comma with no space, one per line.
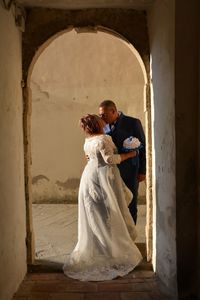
[106,149]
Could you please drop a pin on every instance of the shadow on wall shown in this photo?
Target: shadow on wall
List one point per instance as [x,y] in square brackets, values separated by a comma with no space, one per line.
[46,191]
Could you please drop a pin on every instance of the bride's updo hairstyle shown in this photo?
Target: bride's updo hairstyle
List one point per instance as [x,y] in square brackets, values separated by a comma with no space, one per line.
[90,124]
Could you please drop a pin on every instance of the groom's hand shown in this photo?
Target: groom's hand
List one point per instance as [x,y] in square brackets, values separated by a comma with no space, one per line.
[141,177]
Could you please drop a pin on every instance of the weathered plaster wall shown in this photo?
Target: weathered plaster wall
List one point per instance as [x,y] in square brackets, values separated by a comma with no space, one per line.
[123,21]
[186,101]
[77,4]
[161,34]
[12,202]
[70,78]
[198,216]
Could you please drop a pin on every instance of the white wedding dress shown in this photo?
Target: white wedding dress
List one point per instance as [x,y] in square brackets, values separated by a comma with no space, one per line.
[106,231]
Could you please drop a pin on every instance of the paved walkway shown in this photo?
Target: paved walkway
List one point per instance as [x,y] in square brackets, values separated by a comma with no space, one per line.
[55,230]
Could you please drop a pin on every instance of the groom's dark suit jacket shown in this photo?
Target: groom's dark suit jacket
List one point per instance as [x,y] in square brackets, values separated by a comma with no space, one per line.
[125,127]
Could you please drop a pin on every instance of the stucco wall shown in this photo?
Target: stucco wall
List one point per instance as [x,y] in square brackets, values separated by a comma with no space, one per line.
[186,100]
[198,173]
[12,202]
[161,32]
[70,78]
[198,236]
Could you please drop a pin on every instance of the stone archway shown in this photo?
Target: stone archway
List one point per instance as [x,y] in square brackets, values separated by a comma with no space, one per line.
[35,40]
[127,89]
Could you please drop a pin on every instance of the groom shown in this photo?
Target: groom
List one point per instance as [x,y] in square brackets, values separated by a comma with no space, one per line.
[120,128]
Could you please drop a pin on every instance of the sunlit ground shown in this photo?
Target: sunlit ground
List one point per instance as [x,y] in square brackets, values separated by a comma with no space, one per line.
[55,229]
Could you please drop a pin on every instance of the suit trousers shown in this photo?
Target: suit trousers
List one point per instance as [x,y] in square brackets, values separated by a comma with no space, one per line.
[129,176]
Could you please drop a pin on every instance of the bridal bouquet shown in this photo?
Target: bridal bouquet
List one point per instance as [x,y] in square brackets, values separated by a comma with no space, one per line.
[130,144]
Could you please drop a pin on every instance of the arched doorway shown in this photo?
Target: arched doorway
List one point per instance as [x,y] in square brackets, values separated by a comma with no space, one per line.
[126,105]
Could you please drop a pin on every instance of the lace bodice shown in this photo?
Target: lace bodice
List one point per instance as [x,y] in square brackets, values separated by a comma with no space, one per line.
[101,147]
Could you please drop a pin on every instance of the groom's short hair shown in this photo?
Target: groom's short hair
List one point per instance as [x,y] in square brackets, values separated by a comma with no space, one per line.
[108,104]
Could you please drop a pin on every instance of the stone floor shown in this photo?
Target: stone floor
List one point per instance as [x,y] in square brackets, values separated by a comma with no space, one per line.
[55,230]
[138,285]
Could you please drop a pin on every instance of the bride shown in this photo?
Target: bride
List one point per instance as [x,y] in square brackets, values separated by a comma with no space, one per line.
[106,231]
